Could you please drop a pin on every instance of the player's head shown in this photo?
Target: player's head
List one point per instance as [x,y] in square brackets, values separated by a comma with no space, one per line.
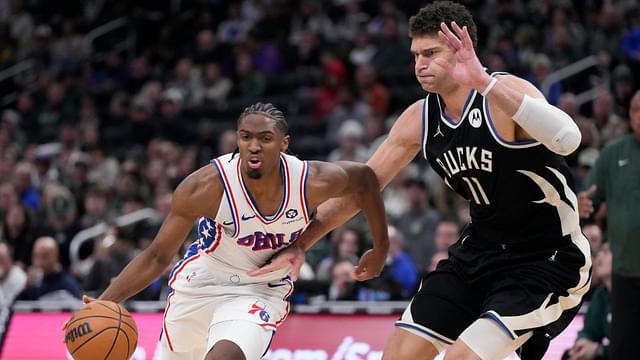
[426,45]
[262,136]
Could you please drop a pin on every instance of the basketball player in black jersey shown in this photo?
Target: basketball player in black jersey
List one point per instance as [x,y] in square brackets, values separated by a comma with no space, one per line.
[520,268]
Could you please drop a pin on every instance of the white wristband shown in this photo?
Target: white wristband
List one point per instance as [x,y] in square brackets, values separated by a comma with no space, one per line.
[489,87]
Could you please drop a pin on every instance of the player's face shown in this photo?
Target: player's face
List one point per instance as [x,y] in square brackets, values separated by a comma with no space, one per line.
[425,49]
[260,143]
[634,115]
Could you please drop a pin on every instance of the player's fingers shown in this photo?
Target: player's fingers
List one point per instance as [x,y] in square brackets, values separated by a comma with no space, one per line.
[458,31]
[466,38]
[453,39]
[295,269]
[275,265]
[446,40]
[592,190]
[86,299]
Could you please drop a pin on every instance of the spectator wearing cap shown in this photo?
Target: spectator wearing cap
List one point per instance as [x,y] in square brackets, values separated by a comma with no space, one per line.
[351,148]
[61,221]
[171,124]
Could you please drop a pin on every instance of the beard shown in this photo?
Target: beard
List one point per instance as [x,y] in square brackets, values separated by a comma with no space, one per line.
[254,174]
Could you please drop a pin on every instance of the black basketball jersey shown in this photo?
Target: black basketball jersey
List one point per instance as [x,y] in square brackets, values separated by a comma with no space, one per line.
[518,191]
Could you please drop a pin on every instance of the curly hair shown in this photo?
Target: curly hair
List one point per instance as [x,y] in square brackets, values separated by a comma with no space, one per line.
[427,20]
[270,111]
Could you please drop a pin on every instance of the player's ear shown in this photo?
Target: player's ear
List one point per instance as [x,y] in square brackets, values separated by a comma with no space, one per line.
[284,145]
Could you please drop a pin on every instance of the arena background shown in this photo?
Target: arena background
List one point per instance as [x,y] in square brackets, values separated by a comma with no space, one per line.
[108,105]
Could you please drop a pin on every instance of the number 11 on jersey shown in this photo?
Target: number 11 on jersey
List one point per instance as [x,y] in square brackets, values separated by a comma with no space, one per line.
[476,188]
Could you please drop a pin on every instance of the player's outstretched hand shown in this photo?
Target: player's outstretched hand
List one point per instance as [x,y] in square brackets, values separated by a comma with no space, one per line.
[466,70]
[585,204]
[291,256]
[370,265]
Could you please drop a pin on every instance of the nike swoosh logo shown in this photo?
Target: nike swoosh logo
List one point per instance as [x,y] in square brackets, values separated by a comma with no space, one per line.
[245,217]
[276,285]
[623,162]
[227,223]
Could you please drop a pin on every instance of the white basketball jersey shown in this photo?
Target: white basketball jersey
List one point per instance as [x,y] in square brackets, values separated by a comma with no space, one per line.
[240,238]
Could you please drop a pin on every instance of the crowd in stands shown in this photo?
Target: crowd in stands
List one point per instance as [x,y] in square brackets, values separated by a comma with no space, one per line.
[98,125]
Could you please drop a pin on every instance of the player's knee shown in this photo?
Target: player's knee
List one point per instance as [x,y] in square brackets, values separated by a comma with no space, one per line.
[460,353]
[225,350]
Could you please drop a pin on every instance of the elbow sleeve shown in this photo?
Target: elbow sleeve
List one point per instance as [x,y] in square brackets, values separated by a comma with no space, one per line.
[546,123]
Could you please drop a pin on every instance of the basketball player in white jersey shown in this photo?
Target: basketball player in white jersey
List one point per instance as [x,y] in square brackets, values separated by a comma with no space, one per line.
[248,206]
[518,272]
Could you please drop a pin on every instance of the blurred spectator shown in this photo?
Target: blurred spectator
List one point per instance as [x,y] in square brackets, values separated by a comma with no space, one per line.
[70,48]
[610,125]
[96,208]
[233,29]
[349,107]
[342,285]
[12,278]
[311,18]
[418,223]
[447,233]
[347,243]
[363,50]
[25,180]
[46,280]
[113,253]
[540,70]
[350,140]
[17,232]
[371,90]
[400,267]
[171,124]
[393,46]
[215,87]
[187,80]
[593,233]
[250,83]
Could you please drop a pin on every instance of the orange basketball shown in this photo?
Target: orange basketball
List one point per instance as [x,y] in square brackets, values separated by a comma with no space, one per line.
[101,330]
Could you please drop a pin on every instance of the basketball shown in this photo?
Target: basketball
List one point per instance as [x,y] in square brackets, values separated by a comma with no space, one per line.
[101,330]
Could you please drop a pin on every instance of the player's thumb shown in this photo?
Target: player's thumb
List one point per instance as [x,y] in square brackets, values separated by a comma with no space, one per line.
[86,299]
[592,190]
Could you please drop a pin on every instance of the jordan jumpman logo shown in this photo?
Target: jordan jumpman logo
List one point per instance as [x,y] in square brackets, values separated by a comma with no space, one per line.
[438,131]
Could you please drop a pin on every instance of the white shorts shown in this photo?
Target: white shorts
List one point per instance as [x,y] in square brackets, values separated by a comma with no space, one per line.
[200,310]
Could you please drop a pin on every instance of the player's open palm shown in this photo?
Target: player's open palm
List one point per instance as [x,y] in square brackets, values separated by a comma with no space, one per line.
[370,265]
[466,70]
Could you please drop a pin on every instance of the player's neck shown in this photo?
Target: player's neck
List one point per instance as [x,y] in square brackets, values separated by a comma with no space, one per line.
[268,184]
[454,101]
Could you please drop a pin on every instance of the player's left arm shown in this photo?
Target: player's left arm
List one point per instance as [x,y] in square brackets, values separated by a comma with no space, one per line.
[359,183]
[514,98]
[518,100]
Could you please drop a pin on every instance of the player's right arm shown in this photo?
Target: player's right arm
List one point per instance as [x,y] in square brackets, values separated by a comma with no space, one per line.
[398,149]
[194,197]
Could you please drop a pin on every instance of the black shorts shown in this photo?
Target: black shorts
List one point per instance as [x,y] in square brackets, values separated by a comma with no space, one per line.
[520,288]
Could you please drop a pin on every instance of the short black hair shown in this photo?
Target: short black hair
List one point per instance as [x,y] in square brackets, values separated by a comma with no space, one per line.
[427,20]
[270,111]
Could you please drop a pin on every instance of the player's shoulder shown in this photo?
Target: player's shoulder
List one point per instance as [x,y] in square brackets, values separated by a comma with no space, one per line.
[201,185]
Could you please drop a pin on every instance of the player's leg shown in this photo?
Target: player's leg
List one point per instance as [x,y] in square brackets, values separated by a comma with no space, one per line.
[485,339]
[441,309]
[165,353]
[238,340]
[403,344]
